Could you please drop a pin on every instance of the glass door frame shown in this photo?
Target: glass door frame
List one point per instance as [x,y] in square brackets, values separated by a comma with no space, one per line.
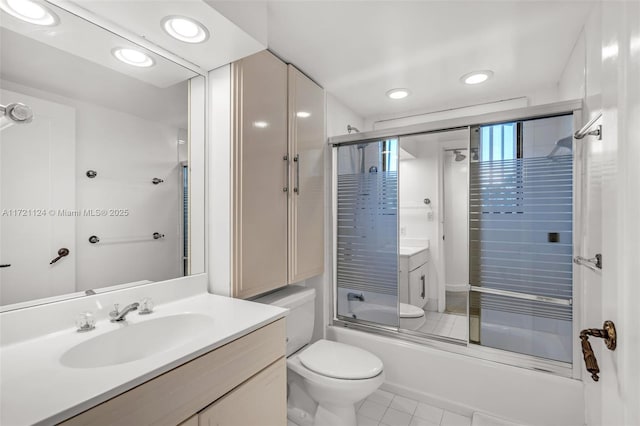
[572,370]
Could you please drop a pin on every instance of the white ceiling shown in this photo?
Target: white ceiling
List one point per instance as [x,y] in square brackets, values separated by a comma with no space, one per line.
[23,60]
[86,40]
[227,42]
[358,50]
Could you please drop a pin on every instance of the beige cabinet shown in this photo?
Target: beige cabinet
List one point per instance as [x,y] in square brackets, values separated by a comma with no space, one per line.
[260,175]
[306,201]
[256,402]
[278,175]
[251,368]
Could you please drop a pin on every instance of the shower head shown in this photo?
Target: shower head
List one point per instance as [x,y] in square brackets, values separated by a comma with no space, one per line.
[459,156]
[566,142]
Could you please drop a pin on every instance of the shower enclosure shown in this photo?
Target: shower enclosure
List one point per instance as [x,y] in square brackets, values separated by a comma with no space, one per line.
[498,231]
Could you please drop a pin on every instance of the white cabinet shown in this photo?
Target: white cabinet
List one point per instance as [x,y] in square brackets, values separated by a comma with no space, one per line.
[418,293]
[414,277]
[277,177]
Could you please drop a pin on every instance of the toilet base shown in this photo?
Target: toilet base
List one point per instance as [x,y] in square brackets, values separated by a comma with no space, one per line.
[335,415]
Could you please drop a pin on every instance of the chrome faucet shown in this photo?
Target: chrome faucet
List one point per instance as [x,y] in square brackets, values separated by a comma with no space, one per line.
[117,316]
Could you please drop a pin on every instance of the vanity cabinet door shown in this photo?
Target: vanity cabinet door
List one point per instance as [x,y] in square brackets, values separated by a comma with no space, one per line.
[261,400]
[260,175]
[418,286]
[306,199]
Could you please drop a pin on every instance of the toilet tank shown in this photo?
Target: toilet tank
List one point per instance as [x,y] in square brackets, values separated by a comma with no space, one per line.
[301,304]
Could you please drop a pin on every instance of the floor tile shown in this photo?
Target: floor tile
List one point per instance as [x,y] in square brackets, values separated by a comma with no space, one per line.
[403,404]
[393,417]
[417,421]
[433,316]
[381,397]
[429,413]
[372,410]
[443,328]
[453,419]
[366,421]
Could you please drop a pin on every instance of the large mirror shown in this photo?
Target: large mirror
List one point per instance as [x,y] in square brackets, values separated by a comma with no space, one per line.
[95,172]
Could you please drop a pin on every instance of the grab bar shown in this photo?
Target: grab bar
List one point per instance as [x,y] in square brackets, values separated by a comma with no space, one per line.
[525,296]
[584,131]
[595,263]
[94,239]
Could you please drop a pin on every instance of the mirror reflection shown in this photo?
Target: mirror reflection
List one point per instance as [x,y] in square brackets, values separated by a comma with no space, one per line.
[433,251]
[93,160]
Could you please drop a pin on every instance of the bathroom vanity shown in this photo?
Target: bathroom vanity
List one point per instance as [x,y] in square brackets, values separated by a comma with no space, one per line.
[414,274]
[194,360]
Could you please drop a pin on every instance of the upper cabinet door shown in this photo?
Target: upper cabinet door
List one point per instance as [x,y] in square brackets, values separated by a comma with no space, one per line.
[306,147]
[260,175]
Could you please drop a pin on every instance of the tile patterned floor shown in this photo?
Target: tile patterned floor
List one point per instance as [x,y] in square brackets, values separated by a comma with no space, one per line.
[384,408]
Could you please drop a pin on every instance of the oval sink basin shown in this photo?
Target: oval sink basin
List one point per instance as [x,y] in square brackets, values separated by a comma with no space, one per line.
[136,341]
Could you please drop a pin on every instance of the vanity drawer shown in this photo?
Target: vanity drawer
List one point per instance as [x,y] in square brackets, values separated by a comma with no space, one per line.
[173,397]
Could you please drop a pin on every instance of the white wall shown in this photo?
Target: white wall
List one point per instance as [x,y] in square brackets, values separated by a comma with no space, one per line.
[603,71]
[127,152]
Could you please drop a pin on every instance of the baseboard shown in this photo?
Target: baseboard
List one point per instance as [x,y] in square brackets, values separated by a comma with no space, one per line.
[456,287]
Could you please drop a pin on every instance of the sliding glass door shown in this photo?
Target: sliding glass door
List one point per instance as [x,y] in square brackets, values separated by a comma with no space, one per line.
[521,237]
[367,232]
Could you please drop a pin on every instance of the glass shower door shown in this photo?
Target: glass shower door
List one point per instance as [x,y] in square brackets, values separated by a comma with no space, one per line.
[367,232]
[521,237]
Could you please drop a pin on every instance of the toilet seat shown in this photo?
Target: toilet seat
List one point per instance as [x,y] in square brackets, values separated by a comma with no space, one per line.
[410,311]
[340,361]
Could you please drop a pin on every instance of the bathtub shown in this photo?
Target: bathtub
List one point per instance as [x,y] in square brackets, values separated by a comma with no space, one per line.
[466,384]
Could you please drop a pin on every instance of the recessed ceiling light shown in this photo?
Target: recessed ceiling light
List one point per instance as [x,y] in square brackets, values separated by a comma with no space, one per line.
[185,29]
[260,124]
[476,77]
[398,93]
[303,114]
[132,57]
[29,11]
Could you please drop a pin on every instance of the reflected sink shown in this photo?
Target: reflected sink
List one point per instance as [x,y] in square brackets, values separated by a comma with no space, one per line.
[136,341]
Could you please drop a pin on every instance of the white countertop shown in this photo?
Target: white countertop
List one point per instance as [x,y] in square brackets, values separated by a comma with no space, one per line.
[410,251]
[37,389]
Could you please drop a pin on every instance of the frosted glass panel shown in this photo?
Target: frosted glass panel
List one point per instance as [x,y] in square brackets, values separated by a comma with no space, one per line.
[521,237]
[367,224]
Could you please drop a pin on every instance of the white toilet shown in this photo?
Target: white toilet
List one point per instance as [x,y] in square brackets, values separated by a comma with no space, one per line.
[325,379]
[411,317]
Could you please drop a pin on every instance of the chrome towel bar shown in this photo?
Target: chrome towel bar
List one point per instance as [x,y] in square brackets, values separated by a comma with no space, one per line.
[595,263]
[584,131]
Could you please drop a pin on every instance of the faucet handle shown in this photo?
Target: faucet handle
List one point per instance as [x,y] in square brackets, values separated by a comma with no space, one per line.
[146,306]
[85,322]
[115,311]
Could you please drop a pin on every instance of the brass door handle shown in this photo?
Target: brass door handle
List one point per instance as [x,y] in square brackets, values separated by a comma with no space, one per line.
[608,333]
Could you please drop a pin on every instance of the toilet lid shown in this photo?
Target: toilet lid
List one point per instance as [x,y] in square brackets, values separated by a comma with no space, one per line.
[410,311]
[340,361]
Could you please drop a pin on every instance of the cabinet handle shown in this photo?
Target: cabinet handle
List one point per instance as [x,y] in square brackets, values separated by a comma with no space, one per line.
[423,279]
[296,160]
[286,172]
